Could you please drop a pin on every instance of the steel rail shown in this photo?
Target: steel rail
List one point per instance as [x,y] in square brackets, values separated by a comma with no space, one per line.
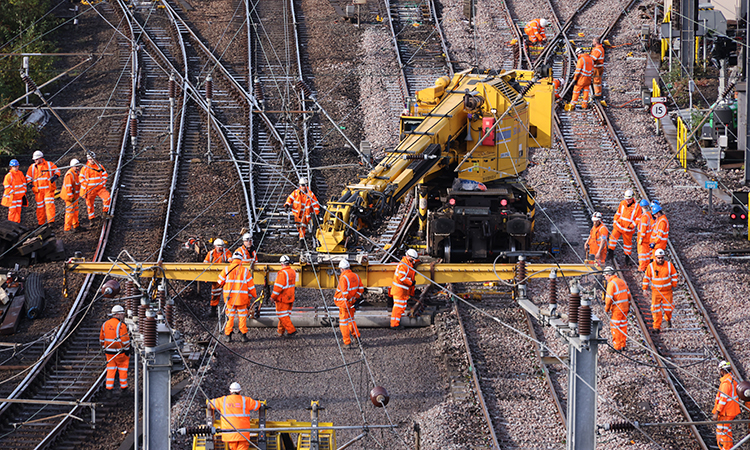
[403,84]
[439,26]
[555,398]
[250,116]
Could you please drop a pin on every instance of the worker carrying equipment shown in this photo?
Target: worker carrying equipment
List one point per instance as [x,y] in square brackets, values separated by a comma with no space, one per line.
[662,276]
[249,257]
[217,255]
[403,285]
[582,78]
[41,178]
[14,191]
[283,296]
[93,184]
[234,410]
[624,224]
[596,245]
[644,226]
[726,406]
[535,30]
[660,232]
[239,288]
[115,341]
[348,291]
[303,204]
[597,54]
[617,303]
[70,192]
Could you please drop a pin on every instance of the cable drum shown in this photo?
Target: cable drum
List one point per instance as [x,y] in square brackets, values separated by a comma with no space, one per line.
[34,292]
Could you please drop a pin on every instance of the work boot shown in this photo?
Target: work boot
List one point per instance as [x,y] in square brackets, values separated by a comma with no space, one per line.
[227,338]
[292,334]
[213,312]
[243,337]
[667,324]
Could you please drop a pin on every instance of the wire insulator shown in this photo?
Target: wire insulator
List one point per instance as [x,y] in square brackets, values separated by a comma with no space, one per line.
[258,90]
[172,86]
[169,313]
[202,430]
[573,304]
[209,88]
[635,158]
[130,302]
[133,126]
[149,330]
[584,320]
[552,288]
[29,82]
[521,270]
[621,426]
[302,87]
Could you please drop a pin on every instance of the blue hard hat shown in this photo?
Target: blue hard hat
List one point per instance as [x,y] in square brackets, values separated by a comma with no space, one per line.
[655,208]
[656,202]
[644,203]
[13,163]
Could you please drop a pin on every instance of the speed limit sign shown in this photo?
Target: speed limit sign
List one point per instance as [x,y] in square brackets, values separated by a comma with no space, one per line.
[658,110]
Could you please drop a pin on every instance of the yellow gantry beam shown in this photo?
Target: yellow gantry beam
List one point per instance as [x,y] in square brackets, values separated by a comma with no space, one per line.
[323,276]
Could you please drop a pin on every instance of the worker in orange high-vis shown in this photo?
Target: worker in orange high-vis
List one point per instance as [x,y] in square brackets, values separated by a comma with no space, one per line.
[617,302]
[644,226]
[218,255]
[303,204]
[535,30]
[727,406]
[14,191]
[660,232]
[558,83]
[115,342]
[582,78]
[283,296]
[249,257]
[348,291]
[624,224]
[403,285]
[234,410]
[597,54]
[662,276]
[239,289]
[93,184]
[596,245]
[41,178]
[70,192]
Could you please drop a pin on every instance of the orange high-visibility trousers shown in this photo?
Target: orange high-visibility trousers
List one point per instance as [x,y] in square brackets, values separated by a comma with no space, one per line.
[399,306]
[216,291]
[596,78]
[662,306]
[347,324]
[117,364]
[724,433]
[45,206]
[238,445]
[284,313]
[627,240]
[239,311]
[71,215]
[583,84]
[618,326]
[91,195]
[14,210]
[644,256]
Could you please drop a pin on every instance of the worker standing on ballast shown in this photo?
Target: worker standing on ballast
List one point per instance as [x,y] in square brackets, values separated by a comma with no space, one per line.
[70,192]
[115,342]
[596,245]
[93,184]
[535,30]
[283,296]
[644,226]
[347,293]
[41,178]
[239,288]
[303,204]
[617,303]
[219,255]
[582,79]
[726,406]
[624,224]
[14,192]
[234,410]
[660,232]
[403,285]
[662,276]
[597,54]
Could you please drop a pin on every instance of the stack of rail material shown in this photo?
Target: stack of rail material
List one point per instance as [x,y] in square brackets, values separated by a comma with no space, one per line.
[19,246]
[12,302]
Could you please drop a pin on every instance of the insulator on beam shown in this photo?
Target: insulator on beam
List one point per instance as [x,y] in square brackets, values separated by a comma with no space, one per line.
[584,320]
[573,304]
[552,290]
[29,82]
[521,270]
[172,86]
[150,338]
[169,313]
[209,88]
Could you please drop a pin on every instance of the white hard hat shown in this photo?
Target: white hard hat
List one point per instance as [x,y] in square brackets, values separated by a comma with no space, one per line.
[596,216]
[628,194]
[247,237]
[303,181]
[659,252]
[37,155]
[724,365]
[411,253]
[236,255]
[609,270]
[580,51]
[285,259]
[117,309]
[218,243]
[544,22]
[91,156]
[344,264]
[74,162]
[235,387]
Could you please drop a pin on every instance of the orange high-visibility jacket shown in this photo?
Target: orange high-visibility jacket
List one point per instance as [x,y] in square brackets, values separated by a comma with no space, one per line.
[403,280]
[349,288]
[15,186]
[39,175]
[584,67]
[235,412]
[535,29]
[304,203]
[626,216]
[71,185]
[598,237]
[645,225]
[248,256]
[727,404]
[92,176]
[217,256]
[663,277]
[238,285]
[660,233]
[283,288]
[597,54]
[114,336]
[617,297]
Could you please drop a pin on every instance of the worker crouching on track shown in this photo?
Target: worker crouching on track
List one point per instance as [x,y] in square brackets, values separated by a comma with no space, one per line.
[347,293]
[235,412]
[41,178]
[624,224]
[596,245]
[403,285]
[582,79]
[617,303]
[70,192]
[535,30]
[283,296]
[644,226]
[726,406]
[115,342]
[93,184]
[218,255]
[662,276]
[303,204]
[15,191]
[238,289]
